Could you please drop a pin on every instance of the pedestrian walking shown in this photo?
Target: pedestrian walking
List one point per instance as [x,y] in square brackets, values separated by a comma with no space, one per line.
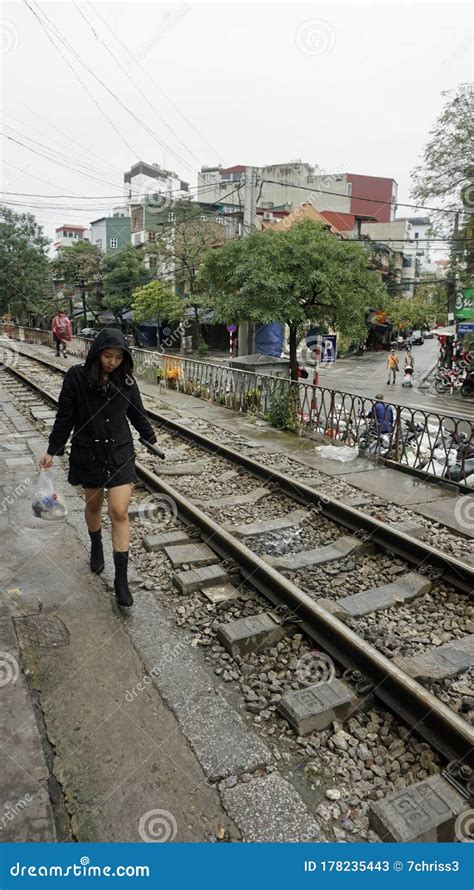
[392,365]
[409,360]
[96,402]
[61,328]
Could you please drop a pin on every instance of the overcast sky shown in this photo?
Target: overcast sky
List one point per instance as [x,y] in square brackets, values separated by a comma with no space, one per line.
[349,87]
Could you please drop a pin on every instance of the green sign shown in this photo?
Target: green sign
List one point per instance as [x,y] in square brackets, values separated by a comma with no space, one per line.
[464,306]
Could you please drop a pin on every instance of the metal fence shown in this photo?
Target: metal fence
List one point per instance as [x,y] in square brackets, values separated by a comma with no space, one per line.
[437,444]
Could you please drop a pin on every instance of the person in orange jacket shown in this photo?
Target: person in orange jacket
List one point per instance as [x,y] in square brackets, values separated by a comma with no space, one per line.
[61,329]
[392,365]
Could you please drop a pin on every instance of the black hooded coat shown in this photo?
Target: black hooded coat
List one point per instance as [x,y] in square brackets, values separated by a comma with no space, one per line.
[102,452]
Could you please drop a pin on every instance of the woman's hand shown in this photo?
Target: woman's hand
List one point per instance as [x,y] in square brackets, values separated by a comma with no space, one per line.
[45,462]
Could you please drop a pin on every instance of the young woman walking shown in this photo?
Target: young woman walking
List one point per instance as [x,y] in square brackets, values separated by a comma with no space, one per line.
[96,401]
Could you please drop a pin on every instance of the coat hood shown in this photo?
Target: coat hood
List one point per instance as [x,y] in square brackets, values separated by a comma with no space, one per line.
[108,337]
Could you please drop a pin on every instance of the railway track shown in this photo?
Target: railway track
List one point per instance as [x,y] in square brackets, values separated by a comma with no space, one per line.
[263,555]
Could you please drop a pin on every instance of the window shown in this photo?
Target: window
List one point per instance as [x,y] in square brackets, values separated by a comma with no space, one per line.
[171,217]
[349,189]
[416,234]
[113,243]
[203,218]
[407,262]
[151,236]
[70,234]
[98,241]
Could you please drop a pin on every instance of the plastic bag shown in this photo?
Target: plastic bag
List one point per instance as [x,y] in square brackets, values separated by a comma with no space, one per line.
[343,453]
[47,503]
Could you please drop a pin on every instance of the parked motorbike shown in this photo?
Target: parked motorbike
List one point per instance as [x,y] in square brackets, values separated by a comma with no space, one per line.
[449,379]
[467,387]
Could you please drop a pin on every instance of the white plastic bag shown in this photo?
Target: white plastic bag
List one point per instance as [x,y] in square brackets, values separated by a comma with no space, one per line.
[47,503]
[344,453]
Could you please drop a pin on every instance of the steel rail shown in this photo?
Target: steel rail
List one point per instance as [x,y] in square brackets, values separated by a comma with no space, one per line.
[430,718]
[420,554]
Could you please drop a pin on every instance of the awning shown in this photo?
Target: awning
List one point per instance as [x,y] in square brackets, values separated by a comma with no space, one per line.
[444,332]
[78,313]
[108,316]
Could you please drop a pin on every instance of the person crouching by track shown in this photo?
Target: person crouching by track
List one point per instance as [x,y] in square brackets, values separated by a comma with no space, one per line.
[97,400]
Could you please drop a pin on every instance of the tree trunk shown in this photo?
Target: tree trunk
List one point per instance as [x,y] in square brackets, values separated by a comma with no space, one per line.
[293,360]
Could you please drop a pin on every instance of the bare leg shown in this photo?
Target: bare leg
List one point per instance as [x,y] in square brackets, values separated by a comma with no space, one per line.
[94,498]
[119,500]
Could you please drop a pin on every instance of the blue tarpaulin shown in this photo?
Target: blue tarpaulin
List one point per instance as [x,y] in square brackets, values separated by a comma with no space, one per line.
[269,339]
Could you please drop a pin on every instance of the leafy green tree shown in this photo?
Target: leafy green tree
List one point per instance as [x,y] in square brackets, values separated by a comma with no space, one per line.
[301,276]
[191,239]
[157,300]
[408,313]
[122,271]
[79,267]
[434,296]
[446,175]
[25,279]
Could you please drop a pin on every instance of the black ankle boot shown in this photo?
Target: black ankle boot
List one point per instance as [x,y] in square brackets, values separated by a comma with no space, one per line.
[122,592]
[97,553]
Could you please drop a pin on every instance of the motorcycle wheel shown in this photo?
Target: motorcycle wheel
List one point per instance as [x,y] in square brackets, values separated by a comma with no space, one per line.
[441,387]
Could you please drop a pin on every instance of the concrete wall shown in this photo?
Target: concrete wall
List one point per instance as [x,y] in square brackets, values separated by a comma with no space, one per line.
[119,228]
[334,188]
[99,234]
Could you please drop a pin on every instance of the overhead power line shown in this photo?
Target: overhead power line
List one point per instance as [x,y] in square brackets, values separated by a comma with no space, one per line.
[154,82]
[362,198]
[111,92]
[91,95]
[63,151]
[73,139]
[59,163]
[54,155]
[133,82]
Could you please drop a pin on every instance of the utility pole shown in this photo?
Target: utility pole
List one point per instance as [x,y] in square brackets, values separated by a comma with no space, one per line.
[250,200]
[83,297]
[452,281]
[246,329]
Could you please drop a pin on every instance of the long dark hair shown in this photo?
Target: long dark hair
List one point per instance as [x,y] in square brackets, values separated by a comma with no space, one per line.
[121,378]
